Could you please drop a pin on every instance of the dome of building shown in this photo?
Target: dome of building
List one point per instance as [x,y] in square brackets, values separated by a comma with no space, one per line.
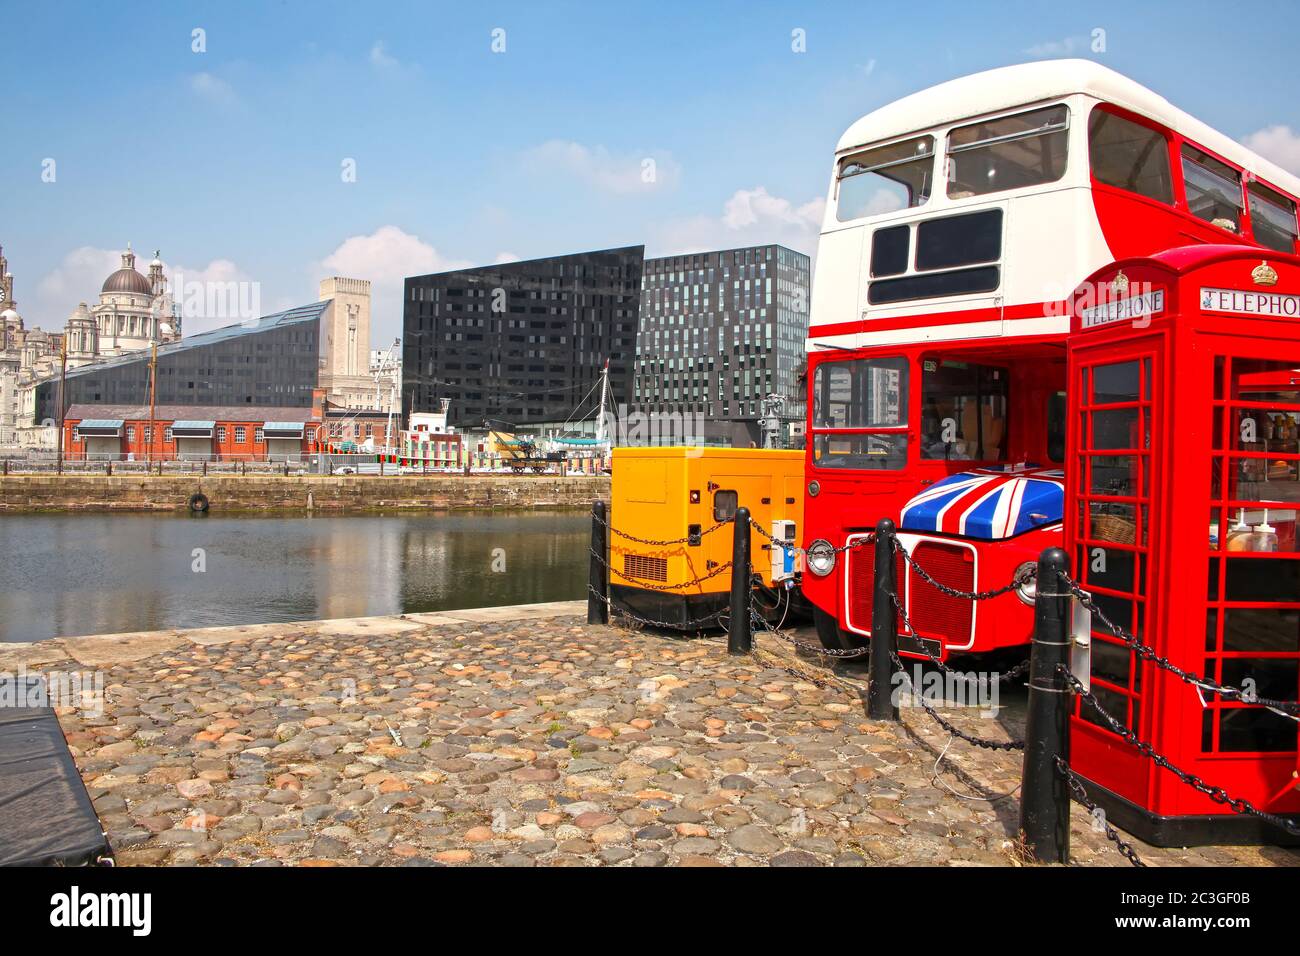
[9,315]
[127,280]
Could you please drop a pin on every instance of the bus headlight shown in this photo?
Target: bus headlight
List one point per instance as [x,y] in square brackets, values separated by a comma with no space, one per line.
[821,557]
[1028,588]
[814,488]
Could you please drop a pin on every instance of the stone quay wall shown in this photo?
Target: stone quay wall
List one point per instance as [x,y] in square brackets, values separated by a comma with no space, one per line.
[325,493]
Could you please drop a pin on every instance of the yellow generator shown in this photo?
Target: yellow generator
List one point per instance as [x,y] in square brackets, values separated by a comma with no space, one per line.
[671,536]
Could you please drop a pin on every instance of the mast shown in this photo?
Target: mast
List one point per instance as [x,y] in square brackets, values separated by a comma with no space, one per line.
[600,413]
[153,390]
[63,384]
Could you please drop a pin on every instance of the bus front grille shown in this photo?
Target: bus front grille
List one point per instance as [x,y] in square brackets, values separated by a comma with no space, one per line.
[862,584]
[933,613]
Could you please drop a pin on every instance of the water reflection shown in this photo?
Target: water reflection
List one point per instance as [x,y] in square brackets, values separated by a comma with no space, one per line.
[95,574]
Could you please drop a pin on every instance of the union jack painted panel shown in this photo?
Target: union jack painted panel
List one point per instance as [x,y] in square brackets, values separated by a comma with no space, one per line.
[989,503]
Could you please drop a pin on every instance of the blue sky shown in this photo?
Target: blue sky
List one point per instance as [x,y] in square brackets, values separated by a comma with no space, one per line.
[230,160]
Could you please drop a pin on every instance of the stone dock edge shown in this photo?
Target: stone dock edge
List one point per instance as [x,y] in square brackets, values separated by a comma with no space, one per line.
[104,650]
[301,494]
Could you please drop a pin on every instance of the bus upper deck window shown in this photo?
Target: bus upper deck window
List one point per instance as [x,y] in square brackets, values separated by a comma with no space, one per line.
[897,176]
[1010,152]
[1272,218]
[1129,155]
[1213,189]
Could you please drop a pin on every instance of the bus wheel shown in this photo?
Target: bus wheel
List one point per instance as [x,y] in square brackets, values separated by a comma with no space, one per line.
[832,636]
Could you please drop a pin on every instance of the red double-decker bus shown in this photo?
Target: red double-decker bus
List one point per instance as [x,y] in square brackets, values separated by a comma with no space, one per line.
[959,222]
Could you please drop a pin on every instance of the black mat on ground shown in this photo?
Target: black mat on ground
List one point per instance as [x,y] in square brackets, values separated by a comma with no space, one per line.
[46,817]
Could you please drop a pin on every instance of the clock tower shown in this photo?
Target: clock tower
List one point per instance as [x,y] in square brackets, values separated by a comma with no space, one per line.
[6,283]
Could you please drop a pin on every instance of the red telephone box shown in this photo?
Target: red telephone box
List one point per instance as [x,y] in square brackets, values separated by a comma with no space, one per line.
[1182,499]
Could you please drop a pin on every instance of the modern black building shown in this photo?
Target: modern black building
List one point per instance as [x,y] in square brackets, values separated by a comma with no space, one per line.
[273,361]
[521,342]
[722,342]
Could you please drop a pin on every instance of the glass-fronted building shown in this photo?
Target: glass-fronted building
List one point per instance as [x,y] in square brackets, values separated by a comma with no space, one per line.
[273,361]
[722,341]
[521,342]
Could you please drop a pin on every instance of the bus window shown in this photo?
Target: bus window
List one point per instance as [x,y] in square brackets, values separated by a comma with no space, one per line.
[963,412]
[1056,406]
[952,241]
[1128,155]
[897,176]
[889,250]
[1027,149]
[1272,218]
[863,452]
[1213,189]
[865,401]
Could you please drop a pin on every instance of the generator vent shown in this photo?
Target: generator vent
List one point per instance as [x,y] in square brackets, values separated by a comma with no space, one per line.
[645,567]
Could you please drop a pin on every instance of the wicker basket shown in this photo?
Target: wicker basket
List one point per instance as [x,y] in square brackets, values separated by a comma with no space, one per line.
[1115,528]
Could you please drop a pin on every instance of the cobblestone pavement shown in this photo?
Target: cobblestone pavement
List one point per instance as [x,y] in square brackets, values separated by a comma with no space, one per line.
[523,737]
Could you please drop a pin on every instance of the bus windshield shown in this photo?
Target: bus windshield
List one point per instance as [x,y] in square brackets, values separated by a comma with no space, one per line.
[859,415]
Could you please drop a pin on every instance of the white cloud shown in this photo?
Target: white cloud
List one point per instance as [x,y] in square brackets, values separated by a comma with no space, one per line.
[379,57]
[386,257]
[77,278]
[216,295]
[504,257]
[622,173]
[749,217]
[1278,143]
[1051,49]
[214,89]
[81,274]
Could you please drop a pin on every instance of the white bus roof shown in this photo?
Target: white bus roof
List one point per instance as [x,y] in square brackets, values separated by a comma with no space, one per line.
[1007,87]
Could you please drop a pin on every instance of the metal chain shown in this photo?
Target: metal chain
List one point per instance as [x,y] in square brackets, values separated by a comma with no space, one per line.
[953,592]
[659,544]
[1287,708]
[1217,794]
[692,625]
[867,538]
[961,735]
[643,583]
[1012,674]
[1075,784]
[839,653]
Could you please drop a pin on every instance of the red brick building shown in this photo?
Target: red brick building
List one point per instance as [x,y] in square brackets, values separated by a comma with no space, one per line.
[194,432]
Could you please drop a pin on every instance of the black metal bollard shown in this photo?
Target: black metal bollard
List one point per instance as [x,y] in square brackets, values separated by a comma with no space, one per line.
[598,575]
[881,704]
[740,637]
[1045,793]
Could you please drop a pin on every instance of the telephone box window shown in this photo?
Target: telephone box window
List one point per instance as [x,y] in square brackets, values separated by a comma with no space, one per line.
[1253,581]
